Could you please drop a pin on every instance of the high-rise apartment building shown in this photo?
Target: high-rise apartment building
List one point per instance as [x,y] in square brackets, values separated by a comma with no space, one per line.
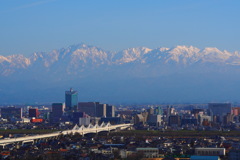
[96,109]
[154,116]
[88,107]
[219,109]
[174,120]
[33,112]
[101,110]
[57,112]
[110,112]
[71,100]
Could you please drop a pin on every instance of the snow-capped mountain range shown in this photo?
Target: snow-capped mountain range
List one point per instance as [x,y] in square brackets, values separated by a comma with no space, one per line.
[134,75]
[79,57]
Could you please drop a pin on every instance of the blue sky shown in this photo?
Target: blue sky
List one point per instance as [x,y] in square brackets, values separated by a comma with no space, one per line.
[42,25]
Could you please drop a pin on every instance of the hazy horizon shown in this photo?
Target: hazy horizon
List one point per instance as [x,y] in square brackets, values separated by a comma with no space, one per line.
[178,74]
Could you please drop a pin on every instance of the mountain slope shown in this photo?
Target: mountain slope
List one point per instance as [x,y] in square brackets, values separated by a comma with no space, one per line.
[134,75]
[77,58]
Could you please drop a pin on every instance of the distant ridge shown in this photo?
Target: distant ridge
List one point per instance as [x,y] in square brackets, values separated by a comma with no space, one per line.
[134,75]
[84,56]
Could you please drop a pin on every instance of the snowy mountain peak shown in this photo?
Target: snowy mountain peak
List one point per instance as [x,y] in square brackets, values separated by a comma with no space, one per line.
[131,54]
[81,57]
[163,49]
[184,50]
[2,59]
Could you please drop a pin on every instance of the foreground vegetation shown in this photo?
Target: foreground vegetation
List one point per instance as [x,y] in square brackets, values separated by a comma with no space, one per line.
[137,133]
[180,133]
[26,131]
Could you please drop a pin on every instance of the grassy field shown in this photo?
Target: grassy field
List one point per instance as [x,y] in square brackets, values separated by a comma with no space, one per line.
[25,131]
[138,133]
[180,133]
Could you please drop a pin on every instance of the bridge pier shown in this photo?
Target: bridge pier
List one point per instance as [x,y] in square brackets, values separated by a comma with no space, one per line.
[17,145]
[96,132]
[118,129]
[32,142]
[3,146]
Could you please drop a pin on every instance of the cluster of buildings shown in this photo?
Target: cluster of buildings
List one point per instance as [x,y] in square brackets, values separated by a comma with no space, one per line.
[163,118]
[151,116]
[82,113]
[72,111]
[215,116]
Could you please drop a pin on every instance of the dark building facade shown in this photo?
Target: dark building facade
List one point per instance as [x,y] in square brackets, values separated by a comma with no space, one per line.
[189,121]
[96,109]
[219,109]
[71,100]
[88,107]
[33,112]
[101,110]
[76,116]
[174,120]
[57,112]
[112,120]
[110,112]
[11,112]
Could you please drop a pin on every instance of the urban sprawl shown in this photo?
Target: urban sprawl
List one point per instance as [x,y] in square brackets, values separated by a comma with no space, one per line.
[92,130]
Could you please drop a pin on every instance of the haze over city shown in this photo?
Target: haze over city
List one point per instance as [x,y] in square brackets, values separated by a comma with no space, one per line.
[120,51]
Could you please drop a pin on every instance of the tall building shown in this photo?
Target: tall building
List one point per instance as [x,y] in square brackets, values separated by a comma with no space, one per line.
[33,112]
[229,118]
[158,111]
[154,120]
[174,120]
[96,109]
[76,116]
[11,112]
[110,111]
[219,109]
[101,110]
[155,116]
[57,112]
[151,110]
[71,100]
[88,107]
[169,112]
